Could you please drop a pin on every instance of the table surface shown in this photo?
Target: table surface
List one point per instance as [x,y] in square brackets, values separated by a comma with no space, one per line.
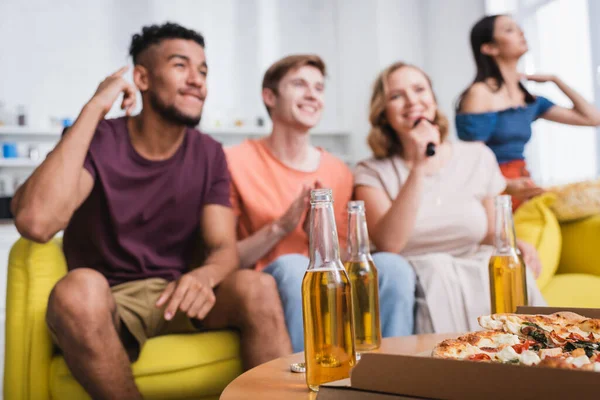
[274,380]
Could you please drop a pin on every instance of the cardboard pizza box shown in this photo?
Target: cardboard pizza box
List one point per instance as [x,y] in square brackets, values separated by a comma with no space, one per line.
[341,390]
[385,376]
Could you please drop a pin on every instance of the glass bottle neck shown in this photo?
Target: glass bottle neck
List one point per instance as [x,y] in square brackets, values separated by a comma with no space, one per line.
[324,247]
[505,231]
[358,236]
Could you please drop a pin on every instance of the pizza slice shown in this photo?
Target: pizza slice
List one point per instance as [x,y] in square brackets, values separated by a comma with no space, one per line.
[560,340]
[555,330]
[492,346]
[576,359]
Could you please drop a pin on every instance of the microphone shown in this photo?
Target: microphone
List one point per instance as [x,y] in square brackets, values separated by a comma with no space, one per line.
[430,150]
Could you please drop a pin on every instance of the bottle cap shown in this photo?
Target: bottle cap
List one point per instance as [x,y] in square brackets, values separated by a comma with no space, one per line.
[321,195]
[356,206]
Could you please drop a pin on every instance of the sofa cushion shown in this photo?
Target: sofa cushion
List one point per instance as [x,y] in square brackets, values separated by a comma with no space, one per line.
[193,366]
[33,270]
[573,290]
[536,224]
[581,247]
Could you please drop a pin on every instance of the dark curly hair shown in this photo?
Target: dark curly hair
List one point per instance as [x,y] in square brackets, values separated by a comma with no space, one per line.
[154,34]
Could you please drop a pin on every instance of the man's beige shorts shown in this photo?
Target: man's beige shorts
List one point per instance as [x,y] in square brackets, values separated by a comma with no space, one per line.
[136,308]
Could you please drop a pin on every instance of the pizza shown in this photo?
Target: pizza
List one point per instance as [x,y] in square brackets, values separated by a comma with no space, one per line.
[492,346]
[560,340]
[557,328]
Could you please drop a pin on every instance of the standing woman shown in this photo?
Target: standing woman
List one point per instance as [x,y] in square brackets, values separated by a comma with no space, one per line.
[498,110]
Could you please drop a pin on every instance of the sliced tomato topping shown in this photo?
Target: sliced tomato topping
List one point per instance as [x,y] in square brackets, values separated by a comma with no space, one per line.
[576,336]
[490,349]
[479,357]
[521,347]
[557,339]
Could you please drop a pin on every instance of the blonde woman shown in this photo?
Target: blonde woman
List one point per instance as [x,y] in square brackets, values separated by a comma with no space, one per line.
[432,208]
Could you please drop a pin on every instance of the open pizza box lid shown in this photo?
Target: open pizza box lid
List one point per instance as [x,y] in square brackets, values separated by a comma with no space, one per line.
[385,376]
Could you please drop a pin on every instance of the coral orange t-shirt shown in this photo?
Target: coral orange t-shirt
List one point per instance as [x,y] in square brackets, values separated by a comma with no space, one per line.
[262,189]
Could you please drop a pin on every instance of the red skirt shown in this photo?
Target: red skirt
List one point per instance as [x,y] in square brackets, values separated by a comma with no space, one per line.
[512,170]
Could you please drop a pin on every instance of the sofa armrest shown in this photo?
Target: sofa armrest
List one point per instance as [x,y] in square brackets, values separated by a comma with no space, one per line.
[33,270]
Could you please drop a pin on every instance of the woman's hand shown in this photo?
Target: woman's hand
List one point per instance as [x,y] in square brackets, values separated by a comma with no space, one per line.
[424,133]
[523,188]
[530,256]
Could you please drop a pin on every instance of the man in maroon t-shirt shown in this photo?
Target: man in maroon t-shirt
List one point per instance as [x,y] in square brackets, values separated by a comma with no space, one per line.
[134,196]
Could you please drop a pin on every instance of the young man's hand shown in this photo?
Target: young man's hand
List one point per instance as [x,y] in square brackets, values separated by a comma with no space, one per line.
[306,225]
[192,294]
[291,218]
[109,90]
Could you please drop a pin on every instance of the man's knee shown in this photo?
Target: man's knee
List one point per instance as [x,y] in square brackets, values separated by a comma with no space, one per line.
[288,271]
[81,297]
[258,296]
[396,271]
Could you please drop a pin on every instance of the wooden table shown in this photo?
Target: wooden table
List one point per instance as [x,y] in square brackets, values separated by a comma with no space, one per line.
[274,380]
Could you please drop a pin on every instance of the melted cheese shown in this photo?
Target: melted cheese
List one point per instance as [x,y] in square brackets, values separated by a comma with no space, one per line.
[507,354]
[507,339]
[467,351]
[487,322]
[513,327]
[545,327]
[499,340]
[529,357]
[550,352]
[579,361]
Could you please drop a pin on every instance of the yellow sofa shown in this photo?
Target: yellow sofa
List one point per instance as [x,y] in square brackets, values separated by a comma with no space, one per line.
[570,253]
[197,366]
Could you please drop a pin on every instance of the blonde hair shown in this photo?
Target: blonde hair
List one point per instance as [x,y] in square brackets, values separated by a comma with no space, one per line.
[383,139]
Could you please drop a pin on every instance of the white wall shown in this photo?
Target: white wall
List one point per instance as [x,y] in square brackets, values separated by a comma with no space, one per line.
[449,59]
[57,62]
[52,62]
[371,36]
[428,33]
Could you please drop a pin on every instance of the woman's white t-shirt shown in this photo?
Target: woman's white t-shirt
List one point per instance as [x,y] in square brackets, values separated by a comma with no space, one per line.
[451,217]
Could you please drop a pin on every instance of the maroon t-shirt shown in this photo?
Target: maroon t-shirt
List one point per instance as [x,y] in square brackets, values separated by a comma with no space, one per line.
[142,217]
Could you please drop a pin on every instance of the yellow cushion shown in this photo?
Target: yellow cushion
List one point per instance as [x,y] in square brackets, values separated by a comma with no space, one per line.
[195,366]
[536,224]
[33,269]
[573,290]
[581,247]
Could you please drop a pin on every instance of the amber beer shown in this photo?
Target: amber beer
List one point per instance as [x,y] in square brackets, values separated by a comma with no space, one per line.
[363,280]
[326,300]
[508,281]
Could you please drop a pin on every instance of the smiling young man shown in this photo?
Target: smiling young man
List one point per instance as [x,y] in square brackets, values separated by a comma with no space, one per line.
[134,196]
[271,182]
